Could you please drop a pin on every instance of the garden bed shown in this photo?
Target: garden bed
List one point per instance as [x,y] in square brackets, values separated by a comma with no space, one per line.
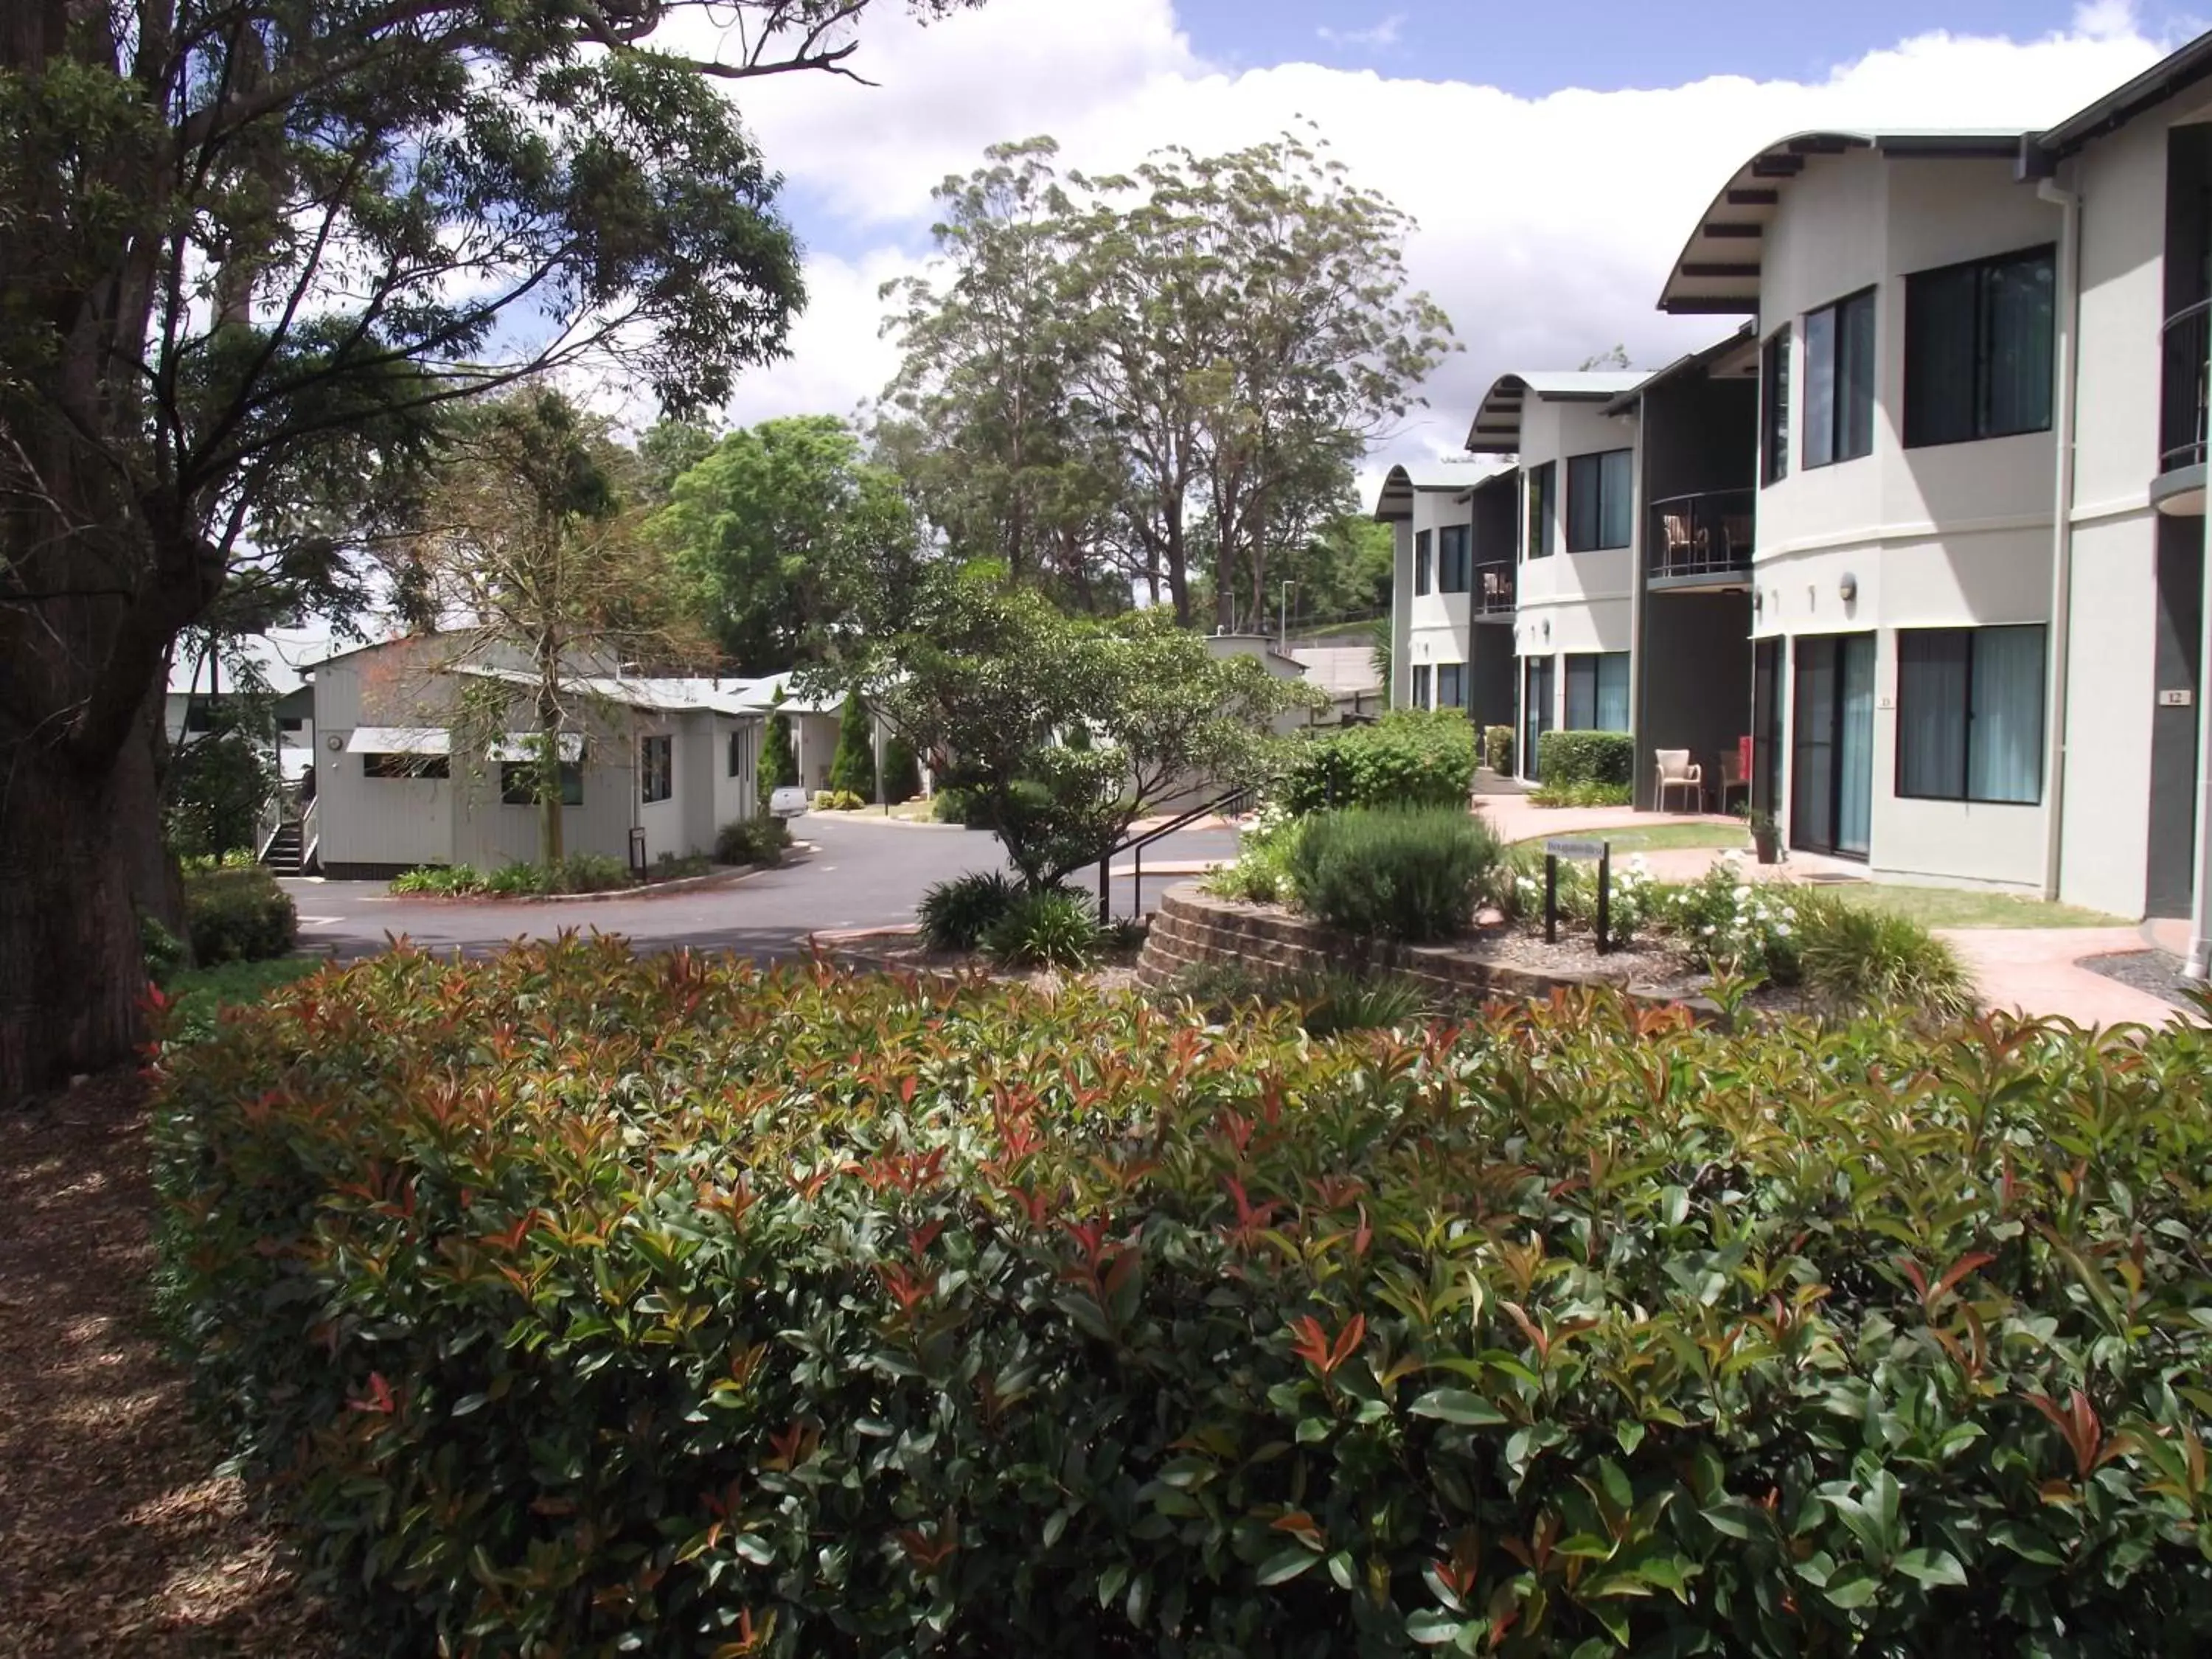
[903,950]
[1195,929]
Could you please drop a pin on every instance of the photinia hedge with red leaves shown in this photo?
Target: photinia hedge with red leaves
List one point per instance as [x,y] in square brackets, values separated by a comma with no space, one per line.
[571,1303]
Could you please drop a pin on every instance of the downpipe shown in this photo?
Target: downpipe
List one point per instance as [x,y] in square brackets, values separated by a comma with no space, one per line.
[2069,314]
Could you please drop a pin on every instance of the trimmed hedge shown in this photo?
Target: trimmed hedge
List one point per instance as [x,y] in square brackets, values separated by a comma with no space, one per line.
[1565,759]
[1412,873]
[1409,757]
[759,840]
[569,1302]
[237,913]
[1498,749]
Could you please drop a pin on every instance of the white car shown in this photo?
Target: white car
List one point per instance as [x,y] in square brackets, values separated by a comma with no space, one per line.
[788,802]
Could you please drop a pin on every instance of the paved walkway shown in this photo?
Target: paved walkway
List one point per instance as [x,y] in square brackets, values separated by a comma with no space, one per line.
[2036,970]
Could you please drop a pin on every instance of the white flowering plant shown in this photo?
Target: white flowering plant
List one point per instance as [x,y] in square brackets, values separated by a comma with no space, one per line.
[1728,921]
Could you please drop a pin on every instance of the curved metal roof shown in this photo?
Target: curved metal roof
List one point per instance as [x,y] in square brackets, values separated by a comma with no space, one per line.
[1718,271]
[1497,429]
[1401,484]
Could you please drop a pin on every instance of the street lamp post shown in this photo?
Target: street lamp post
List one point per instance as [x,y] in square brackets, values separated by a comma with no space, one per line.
[1283,618]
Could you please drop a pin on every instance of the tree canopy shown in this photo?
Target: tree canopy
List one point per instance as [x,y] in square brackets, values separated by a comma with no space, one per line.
[254,248]
[1097,367]
[788,540]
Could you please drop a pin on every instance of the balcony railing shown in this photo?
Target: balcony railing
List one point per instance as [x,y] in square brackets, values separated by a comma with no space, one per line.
[1492,592]
[1699,539]
[2182,397]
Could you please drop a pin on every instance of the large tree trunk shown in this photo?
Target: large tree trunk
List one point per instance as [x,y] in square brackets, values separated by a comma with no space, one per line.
[72,839]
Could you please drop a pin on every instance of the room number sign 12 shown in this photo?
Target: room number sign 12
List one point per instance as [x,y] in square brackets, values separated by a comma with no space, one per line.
[2180,699]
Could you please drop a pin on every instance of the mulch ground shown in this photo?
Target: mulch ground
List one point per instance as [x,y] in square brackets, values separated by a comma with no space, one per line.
[117,1535]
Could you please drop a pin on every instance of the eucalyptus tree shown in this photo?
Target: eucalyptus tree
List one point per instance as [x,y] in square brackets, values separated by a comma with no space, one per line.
[253,248]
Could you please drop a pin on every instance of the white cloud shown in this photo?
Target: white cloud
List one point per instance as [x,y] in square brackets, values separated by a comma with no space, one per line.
[1383,33]
[2104,20]
[1546,224]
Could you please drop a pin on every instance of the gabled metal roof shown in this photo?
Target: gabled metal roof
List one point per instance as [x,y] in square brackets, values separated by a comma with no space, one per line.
[1716,358]
[2174,73]
[1497,429]
[1718,271]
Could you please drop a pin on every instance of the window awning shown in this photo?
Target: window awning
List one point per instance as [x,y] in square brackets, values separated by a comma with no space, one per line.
[399,740]
[523,745]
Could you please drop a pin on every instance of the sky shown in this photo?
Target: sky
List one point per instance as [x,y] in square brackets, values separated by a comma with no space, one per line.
[1555,155]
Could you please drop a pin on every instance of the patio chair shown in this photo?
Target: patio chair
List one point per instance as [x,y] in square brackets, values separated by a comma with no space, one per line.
[1678,771]
[1736,533]
[1497,591]
[1733,777]
[1675,531]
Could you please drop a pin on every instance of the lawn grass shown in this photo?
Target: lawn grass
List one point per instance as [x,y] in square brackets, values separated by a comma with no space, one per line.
[200,995]
[1658,837]
[1953,907]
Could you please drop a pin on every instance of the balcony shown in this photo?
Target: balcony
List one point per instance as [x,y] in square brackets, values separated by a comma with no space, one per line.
[1492,596]
[2179,486]
[1701,543]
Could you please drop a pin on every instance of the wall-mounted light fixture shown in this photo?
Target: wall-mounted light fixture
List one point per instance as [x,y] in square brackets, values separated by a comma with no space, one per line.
[1758,602]
[1548,628]
[1848,587]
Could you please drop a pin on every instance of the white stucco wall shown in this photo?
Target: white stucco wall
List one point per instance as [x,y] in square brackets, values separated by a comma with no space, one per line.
[1956,535]
[1439,626]
[1573,602]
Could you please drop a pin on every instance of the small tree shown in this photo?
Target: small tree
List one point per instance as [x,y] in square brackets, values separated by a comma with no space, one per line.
[901,776]
[991,677]
[779,761]
[852,769]
[218,784]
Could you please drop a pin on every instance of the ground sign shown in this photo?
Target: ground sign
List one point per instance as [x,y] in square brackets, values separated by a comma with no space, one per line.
[1563,848]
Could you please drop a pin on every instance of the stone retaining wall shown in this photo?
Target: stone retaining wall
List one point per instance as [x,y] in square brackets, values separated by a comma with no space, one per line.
[1191,929]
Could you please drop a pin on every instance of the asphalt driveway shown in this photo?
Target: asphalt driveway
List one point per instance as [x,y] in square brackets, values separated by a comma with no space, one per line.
[860,874]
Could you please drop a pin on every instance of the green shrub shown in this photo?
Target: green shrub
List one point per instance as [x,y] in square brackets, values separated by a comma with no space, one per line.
[778,768]
[161,950]
[215,788]
[1581,794]
[759,841]
[1327,1004]
[1411,873]
[237,913]
[1409,757]
[955,914]
[1855,959]
[194,1002]
[445,880]
[1498,749]
[837,800]
[517,880]
[1261,872]
[1047,928]
[670,867]
[852,768]
[952,806]
[1565,759]
[569,1302]
[902,771]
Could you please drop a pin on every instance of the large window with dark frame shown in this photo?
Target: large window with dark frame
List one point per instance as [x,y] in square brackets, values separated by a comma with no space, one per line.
[1543,511]
[1597,691]
[1451,686]
[1774,407]
[1970,713]
[518,783]
[1421,539]
[1420,685]
[1455,558]
[1840,380]
[1601,499]
[656,769]
[434,767]
[1978,349]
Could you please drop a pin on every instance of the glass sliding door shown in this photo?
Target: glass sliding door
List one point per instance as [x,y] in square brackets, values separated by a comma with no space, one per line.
[1832,755]
[1535,712]
[1766,712]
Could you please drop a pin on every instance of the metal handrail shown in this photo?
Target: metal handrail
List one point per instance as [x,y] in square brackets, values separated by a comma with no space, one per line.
[2185,339]
[1224,804]
[1704,532]
[1482,603]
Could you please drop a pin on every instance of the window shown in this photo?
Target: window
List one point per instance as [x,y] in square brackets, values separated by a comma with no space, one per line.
[656,769]
[1774,407]
[1977,351]
[402,766]
[291,722]
[1543,510]
[1455,558]
[1599,505]
[1839,381]
[740,759]
[1970,713]
[1421,562]
[1420,685]
[518,783]
[1451,686]
[1597,691]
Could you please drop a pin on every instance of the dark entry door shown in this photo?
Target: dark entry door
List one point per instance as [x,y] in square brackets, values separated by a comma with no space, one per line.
[1766,726]
[1831,755]
[1535,714]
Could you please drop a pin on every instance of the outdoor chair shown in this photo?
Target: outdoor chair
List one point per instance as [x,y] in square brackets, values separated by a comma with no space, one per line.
[1733,777]
[1676,529]
[1497,591]
[1735,531]
[1678,771]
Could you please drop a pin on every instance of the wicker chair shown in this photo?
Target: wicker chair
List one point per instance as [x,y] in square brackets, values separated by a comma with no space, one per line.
[1678,771]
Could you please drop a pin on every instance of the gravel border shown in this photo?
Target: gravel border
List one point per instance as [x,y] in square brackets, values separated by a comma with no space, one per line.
[2146,970]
